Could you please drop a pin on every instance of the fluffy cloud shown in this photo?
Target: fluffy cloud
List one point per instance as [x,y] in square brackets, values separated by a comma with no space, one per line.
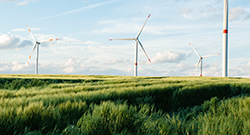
[10,41]
[10,67]
[168,57]
[17,66]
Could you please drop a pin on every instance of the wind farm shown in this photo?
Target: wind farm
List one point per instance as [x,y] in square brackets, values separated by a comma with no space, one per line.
[85,84]
[86,50]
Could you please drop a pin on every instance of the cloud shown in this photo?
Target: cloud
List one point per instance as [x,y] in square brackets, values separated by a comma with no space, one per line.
[90,43]
[25,43]
[19,29]
[168,57]
[17,66]
[18,2]
[23,3]
[10,67]
[74,66]
[8,41]
[185,11]
[76,10]
[4,66]
[235,13]
[71,66]
[13,42]
[247,17]
[119,61]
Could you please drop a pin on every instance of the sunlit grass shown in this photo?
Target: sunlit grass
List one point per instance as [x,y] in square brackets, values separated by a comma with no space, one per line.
[156,105]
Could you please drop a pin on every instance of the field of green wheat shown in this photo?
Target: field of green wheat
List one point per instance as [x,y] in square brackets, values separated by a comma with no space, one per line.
[93,104]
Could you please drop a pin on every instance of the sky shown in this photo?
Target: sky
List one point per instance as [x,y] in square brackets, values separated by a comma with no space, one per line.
[84,28]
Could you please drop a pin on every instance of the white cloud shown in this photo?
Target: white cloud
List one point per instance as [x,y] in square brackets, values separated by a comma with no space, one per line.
[247,17]
[17,66]
[168,57]
[8,41]
[23,3]
[236,13]
[4,68]
[19,29]
[185,11]
[90,43]
[77,10]
[69,70]
[12,42]
[18,2]
[119,61]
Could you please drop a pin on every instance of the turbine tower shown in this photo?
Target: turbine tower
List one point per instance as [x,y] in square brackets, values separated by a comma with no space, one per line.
[36,46]
[225,41]
[200,60]
[137,41]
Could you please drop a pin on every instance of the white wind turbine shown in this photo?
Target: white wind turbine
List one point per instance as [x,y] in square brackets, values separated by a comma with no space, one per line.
[225,41]
[36,46]
[200,59]
[137,41]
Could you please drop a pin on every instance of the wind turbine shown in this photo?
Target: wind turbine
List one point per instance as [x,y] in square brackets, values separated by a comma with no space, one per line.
[200,60]
[36,46]
[137,41]
[225,41]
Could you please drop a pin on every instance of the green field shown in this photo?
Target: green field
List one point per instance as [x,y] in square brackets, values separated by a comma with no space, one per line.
[79,104]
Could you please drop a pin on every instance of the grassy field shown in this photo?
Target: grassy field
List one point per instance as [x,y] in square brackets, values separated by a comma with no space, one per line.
[79,104]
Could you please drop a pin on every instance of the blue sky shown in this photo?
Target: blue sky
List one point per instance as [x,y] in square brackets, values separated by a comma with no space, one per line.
[85,26]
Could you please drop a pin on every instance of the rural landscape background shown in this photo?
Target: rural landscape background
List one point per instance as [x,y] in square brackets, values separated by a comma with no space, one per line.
[84,28]
[86,86]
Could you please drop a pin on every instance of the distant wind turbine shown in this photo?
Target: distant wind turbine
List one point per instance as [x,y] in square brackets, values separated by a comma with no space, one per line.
[200,60]
[36,46]
[136,46]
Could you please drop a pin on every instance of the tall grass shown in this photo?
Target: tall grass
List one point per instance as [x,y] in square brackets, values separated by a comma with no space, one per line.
[65,104]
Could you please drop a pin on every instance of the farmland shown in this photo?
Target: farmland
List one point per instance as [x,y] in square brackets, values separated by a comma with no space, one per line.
[79,104]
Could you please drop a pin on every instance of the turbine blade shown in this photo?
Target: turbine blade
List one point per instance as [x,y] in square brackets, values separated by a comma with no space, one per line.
[211,55]
[49,40]
[31,34]
[143,26]
[195,50]
[34,47]
[144,50]
[197,66]
[122,39]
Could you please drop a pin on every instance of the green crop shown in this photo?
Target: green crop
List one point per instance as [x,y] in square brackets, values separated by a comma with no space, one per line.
[80,104]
